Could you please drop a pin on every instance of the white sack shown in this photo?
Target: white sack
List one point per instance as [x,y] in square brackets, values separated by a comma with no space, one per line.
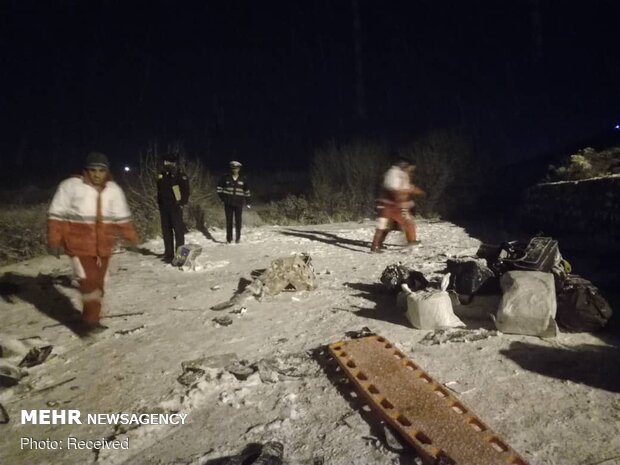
[432,308]
[528,304]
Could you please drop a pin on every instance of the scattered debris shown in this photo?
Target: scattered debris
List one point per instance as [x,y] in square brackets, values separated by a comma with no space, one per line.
[458,387]
[239,311]
[241,369]
[124,332]
[10,374]
[442,336]
[216,287]
[4,416]
[219,362]
[393,441]
[35,356]
[271,454]
[11,347]
[223,320]
[122,315]
[365,331]
[55,385]
[256,454]
[254,289]
[185,257]
[190,376]
[267,371]
[294,273]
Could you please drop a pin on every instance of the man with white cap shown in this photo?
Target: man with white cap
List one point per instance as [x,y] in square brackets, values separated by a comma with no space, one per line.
[86,215]
[234,191]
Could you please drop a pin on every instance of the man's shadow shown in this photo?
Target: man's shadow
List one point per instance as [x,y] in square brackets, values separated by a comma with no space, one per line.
[144,251]
[384,308]
[595,366]
[41,292]
[200,218]
[329,238]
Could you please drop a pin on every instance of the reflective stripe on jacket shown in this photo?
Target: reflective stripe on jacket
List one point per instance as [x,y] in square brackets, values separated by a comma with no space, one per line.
[233,191]
[86,221]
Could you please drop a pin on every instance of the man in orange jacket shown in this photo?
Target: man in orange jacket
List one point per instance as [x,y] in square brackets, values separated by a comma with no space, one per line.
[86,215]
[395,203]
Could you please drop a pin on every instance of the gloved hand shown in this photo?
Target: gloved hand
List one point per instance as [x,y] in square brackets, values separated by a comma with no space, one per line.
[56,251]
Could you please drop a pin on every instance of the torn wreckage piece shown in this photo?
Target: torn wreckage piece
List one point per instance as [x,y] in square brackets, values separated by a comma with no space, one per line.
[294,273]
[440,427]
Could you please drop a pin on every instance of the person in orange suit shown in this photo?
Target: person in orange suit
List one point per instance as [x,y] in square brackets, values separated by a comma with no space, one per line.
[86,215]
[395,203]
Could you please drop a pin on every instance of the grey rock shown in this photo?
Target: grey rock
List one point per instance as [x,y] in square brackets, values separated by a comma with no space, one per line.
[190,377]
[240,370]
[267,371]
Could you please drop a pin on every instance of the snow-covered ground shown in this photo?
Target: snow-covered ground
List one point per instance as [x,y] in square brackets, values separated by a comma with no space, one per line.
[554,401]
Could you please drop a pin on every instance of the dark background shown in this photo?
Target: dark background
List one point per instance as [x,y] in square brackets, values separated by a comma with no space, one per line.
[269,82]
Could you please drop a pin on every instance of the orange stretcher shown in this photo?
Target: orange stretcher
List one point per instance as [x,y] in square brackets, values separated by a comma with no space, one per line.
[441,428]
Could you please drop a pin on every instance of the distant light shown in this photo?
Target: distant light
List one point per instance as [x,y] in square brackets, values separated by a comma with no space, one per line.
[617,127]
[127,169]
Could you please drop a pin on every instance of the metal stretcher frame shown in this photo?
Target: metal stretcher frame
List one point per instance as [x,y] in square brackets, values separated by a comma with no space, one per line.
[435,422]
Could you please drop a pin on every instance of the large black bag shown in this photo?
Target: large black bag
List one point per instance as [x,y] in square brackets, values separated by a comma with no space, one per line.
[581,307]
[471,276]
[396,275]
[540,254]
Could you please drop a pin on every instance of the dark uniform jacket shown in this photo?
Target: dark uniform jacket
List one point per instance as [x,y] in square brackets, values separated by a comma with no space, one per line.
[172,188]
[233,192]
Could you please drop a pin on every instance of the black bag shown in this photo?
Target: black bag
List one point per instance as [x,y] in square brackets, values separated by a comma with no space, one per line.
[540,254]
[581,307]
[472,277]
[395,275]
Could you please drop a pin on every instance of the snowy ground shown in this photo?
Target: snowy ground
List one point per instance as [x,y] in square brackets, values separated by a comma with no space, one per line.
[554,401]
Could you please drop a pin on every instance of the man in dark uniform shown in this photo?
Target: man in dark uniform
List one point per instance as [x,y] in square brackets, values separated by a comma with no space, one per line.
[172,196]
[233,190]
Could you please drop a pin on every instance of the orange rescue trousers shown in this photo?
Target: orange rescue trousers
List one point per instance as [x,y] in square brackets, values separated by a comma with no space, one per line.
[393,214]
[92,281]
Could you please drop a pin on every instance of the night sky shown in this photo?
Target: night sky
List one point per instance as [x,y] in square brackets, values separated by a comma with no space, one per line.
[268,82]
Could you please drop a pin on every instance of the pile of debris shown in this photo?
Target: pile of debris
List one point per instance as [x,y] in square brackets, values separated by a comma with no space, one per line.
[293,273]
[16,358]
[523,287]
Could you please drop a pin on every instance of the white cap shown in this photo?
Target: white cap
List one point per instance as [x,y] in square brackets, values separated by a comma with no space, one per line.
[235,163]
